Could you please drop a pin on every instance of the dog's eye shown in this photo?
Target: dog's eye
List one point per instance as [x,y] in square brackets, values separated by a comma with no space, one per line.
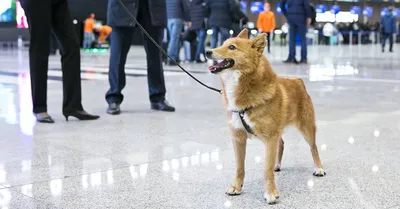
[232,47]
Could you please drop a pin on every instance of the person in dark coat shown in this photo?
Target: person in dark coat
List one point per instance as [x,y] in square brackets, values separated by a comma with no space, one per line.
[298,15]
[44,17]
[239,20]
[388,24]
[220,17]
[151,15]
[178,12]
[199,25]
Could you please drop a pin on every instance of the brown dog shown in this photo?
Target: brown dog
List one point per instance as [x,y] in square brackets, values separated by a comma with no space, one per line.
[261,104]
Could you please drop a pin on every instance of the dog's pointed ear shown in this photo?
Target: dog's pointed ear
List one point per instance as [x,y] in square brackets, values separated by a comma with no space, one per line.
[260,42]
[243,34]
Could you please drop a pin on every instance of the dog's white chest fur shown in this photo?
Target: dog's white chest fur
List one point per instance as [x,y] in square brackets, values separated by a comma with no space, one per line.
[231,80]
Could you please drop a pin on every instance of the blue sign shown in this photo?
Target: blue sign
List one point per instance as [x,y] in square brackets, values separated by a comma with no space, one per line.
[368,11]
[279,8]
[384,11]
[320,8]
[335,9]
[256,7]
[355,10]
[243,5]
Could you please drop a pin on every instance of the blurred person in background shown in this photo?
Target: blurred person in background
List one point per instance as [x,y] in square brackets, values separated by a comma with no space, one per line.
[88,31]
[285,31]
[104,32]
[239,20]
[199,25]
[151,15]
[45,17]
[266,23]
[220,16]
[388,24]
[178,14]
[298,15]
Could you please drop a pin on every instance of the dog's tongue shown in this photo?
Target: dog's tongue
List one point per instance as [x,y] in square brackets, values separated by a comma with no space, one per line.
[212,68]
[216,66]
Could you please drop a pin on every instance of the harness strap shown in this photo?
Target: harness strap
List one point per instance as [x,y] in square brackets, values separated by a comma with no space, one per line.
[241,116]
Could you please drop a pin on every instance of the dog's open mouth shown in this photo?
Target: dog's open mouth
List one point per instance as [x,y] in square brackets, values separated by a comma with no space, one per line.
[221,65]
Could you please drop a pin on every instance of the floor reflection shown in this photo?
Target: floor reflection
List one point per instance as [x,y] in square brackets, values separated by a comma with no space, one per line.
[330,71]
[16,104]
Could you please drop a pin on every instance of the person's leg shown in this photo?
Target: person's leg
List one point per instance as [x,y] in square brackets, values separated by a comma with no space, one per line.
[175,28]
[292,42]
[39,20]
[85,35]
[224,34]
[201,38]
[121,40]
[390,42]
[90,40]
[269,41]
[214,37]
[70,57]
[383,41]
[155,72]
[302,30]
[186,48]
[53,44]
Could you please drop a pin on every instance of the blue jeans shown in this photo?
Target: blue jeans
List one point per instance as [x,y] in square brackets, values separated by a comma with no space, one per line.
[224,35]
[301,30]
[201,38]
[87,40]
[187,48]
[121,40]
[175,28]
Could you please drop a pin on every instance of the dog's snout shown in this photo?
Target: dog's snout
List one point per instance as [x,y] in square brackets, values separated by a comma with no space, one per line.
[208,54]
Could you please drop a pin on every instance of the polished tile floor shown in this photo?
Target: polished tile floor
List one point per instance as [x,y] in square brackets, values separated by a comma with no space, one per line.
[145,159]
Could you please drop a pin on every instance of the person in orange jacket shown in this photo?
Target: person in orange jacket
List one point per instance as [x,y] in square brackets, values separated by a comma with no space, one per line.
[266,22]
[88,32]
[104,32]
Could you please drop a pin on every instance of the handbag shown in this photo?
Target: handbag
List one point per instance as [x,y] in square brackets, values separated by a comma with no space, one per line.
[189,35]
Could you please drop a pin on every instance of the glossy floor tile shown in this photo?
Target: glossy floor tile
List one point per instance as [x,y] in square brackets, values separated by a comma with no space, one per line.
[146,159]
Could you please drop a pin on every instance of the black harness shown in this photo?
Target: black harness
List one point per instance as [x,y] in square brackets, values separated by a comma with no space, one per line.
[241,115]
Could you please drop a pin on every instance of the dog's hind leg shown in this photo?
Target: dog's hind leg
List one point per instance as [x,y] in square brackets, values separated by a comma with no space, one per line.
[239,145]
[279,155]
[308,129]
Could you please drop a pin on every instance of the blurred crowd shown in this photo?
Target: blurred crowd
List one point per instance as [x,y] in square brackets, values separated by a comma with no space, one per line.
[189,21]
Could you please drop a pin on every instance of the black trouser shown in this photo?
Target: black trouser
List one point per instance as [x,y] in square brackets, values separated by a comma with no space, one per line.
[268,41]
[387,36]
[44,16]
[121,40]
[53,44]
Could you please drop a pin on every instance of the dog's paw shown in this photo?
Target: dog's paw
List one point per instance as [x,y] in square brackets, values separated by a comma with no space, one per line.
[233,191]
[271,198]
[319,172]
[277,168]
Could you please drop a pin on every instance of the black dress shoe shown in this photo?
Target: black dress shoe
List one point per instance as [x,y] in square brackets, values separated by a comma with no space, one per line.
[291,62]
[303,62]
[81,115]
[43,118]
[162,106]
[113,109]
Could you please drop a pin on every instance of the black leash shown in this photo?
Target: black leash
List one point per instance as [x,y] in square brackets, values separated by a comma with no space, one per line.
[162,50]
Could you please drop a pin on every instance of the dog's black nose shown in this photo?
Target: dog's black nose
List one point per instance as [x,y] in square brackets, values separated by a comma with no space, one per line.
[208,54]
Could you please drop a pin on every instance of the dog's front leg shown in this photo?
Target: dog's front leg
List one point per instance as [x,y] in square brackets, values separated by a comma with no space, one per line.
[239,145]
[271,192]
